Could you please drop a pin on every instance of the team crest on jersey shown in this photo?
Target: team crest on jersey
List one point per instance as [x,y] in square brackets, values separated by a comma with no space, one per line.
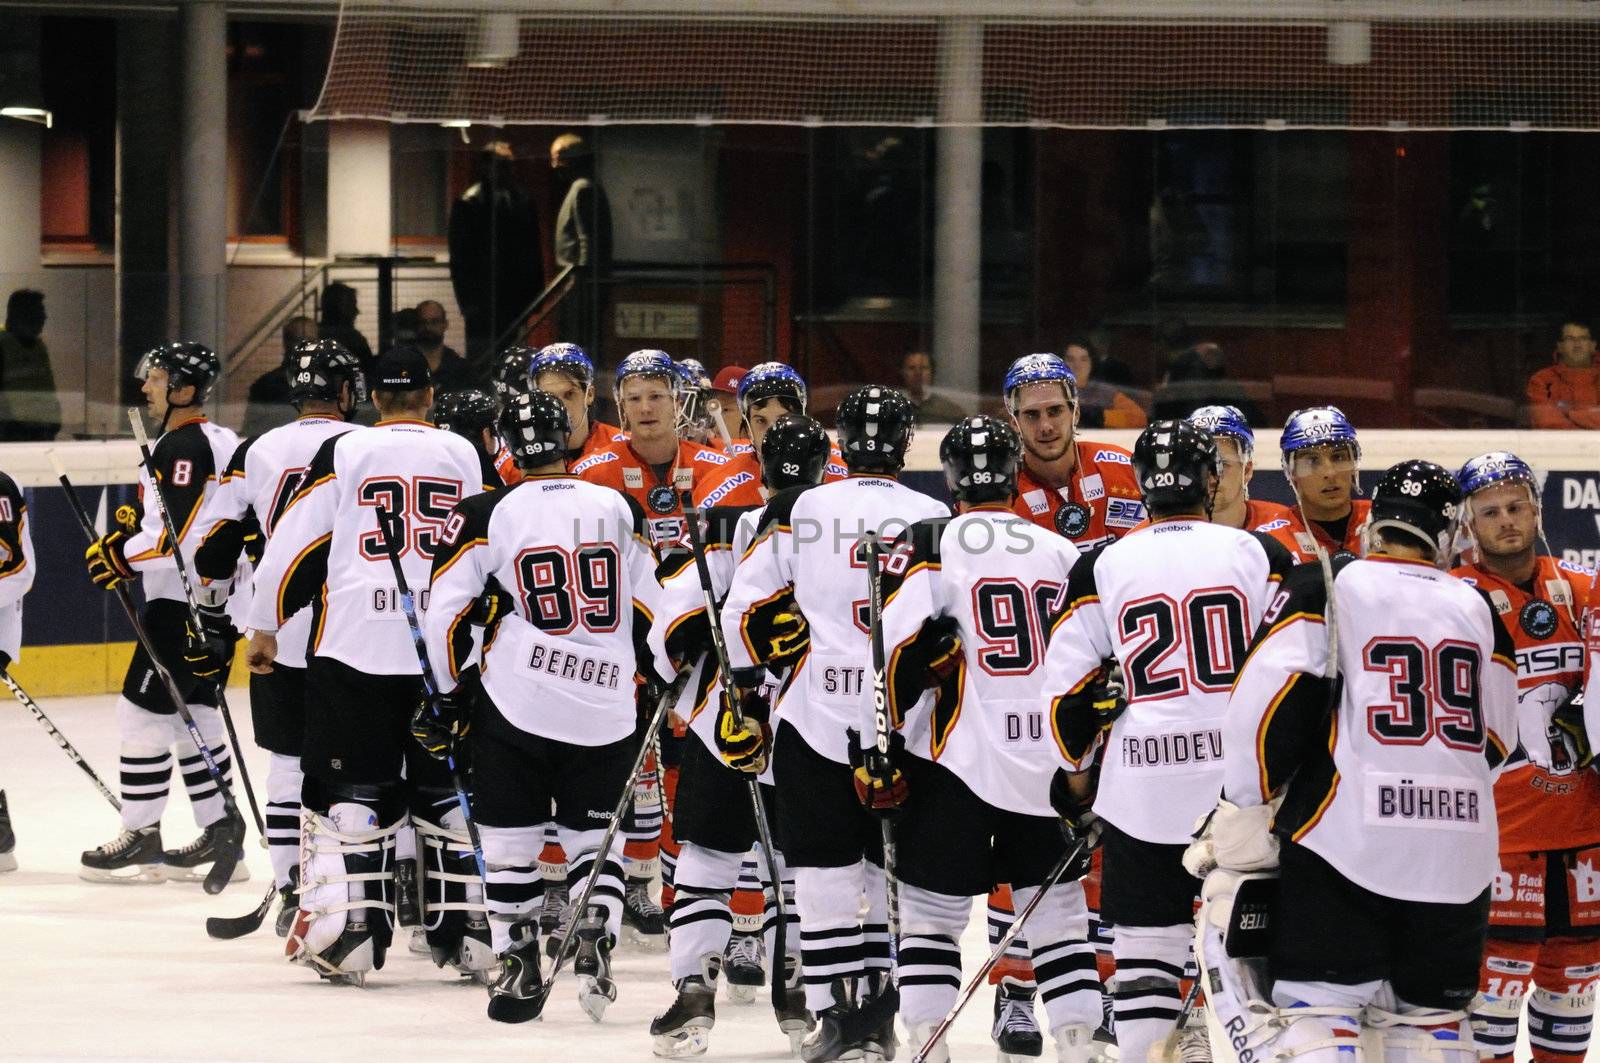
[1538,619]
[662,499]
[633,478]
[1072,519]
[1124,512]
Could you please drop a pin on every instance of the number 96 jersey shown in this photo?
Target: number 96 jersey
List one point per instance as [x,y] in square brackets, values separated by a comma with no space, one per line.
[1000,579]
[1175,604]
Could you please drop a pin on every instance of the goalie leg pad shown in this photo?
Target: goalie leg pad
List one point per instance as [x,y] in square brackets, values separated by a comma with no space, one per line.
[346,909]
[454,919]
[1412,1034]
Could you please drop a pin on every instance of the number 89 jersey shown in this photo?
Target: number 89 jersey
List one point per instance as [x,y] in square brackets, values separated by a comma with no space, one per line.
[1175,603]
[1001,579]
[328,552]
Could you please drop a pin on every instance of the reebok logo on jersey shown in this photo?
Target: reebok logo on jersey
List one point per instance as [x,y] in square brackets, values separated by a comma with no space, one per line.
[712,457]
[1112,456]
[592,460]
[723,489]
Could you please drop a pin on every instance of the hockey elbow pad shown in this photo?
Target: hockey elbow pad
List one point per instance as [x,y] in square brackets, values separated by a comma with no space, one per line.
[107,563]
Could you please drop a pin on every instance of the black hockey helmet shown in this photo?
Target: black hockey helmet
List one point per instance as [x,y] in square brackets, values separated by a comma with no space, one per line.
[980,457]
[1171,460]
[511,375]
[793,452]
[1421,499]
[875,426]
[466,413]
[185,363]
[318,368]
[534,427]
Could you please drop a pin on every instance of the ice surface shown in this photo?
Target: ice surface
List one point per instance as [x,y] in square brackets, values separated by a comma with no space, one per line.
[127,971]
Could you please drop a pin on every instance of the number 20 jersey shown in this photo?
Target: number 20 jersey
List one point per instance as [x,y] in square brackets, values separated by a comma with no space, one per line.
[1394,788]
[1175,603]
[328,552]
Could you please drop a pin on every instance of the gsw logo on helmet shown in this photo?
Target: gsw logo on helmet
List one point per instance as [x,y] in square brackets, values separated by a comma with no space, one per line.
[771,380]
[1038,369]
[1498,466]
[1318,426]
[565,358]
[1226,421]
[648,363]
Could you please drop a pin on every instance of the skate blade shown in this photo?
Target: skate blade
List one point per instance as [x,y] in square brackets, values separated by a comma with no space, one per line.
[688,1041]
[177,873]
[8,862]
[595,995]
[742,994]
[134,874]
[645,942]
[795,1030]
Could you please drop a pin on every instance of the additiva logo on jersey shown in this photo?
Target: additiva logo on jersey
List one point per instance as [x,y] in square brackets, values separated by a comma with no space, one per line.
[1072,519]
[726,487]
[592,460]
[1112,456]
[1538,619]
[1272,525]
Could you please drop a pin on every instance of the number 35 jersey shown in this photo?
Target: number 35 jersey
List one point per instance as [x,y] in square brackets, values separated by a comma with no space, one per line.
[328,552]
[1000,579]
[1175,604]
[1394,787]
[559,658]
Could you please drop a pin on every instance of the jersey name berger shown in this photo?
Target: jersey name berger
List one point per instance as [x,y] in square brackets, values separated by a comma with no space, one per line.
[575,667]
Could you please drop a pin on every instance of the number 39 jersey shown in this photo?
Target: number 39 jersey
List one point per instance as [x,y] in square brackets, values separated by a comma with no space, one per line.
[559,660]
[1000,579]
[328,552]
[1394,787]
[1175,604]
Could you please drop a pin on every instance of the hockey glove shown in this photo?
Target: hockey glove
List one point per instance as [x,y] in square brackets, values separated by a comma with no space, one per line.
[1109,699]
[1235,838]
[1567,723]
[108,566]
[439,725]
[1079,824]
[944,653]
[880,786]
[745,746]
[208,648]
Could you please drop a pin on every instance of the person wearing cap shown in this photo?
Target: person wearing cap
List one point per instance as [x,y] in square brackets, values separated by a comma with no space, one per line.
[369,500]
[565,371]
[723,406]
[765,393]
[1549,815]
[1080,489]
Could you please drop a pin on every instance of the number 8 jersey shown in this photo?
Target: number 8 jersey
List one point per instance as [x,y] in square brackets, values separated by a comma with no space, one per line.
[327,551]
[1174,603]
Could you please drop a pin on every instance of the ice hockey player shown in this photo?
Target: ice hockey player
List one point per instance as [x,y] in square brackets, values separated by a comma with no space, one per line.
[714,820]
[1544,935]
[565,371]
[809,559]
[1080,489]
[766,393]
[325,386]
[511,375]
[328,552]
[1236,446]
[1321,458]
[1364,732]
[188,456]
[470,413]
[1174,604]
[16,579]
[552,715]
[966,603]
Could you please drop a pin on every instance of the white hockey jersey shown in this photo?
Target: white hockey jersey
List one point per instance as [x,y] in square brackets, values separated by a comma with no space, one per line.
[1394,787]
[260,478]
[559,660]
[327,550]
[189,458]
[809,548]
[1175,603]
[17,566]
[1001,579]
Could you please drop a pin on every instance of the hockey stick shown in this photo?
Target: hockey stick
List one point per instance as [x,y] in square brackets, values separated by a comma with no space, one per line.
[982,974]
[61,739]
[719,646]
[230,837]
[386,522]
[1166,1050]
[881,730]
[136,419]
[226,928]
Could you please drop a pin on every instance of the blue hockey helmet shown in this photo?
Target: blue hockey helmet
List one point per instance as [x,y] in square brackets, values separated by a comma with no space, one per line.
[1037,369]
[1226,421]
[1497,466]
[566,358]
[648,363]
[771,380]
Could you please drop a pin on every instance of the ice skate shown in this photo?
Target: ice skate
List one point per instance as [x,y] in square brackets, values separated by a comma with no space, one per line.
[877,1018]
[643,922]
[592,964]
[8,838]
[1194,1041]
[1075,1043]
[190,863]
[132,856]
[356,951]
[553,908]
[684,1028]
[288,903]
[1016,1031]
[836,1034]
[742,967]
[517,992]
[794,1019]
[470,953]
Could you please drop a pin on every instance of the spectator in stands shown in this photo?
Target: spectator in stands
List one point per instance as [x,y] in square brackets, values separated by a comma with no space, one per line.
[29,408]
[916,374]
[1197,377]
[405,326]
[496,267]
[1101,405]
[339,312]
[1567,394]
[267,404]
[450,370]
[583,237]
